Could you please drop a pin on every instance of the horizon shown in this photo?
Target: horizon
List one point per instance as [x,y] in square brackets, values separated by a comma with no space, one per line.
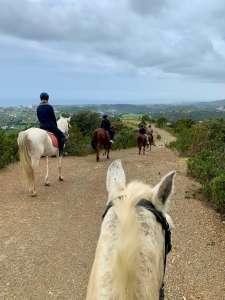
[174,103]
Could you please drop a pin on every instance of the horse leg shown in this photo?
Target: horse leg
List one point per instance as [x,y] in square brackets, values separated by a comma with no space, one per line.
[60,168]
[32,187]
[143,150]
[47,183]
[97,153]
[108,152]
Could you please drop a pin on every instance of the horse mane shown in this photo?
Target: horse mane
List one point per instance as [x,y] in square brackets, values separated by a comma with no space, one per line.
[127,246]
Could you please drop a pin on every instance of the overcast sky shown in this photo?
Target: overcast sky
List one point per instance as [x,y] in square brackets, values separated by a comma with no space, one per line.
[105,51]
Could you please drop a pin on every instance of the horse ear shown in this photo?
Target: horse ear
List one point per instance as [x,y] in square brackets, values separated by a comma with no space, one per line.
[116,178]
[163,190]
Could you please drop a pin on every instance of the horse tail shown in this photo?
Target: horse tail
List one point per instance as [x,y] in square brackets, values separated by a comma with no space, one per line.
[93,144]
[94,140]
[126,250]
[25,159]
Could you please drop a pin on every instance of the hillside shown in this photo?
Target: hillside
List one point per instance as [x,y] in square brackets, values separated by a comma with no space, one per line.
[21,117]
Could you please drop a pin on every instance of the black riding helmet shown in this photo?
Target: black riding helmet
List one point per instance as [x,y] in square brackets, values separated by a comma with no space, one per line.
[44,96]
[105,116]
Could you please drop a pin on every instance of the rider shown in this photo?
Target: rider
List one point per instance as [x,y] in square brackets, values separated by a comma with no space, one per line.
[47,120]
[149,129]
[105,124]
[150,133]
[142,130]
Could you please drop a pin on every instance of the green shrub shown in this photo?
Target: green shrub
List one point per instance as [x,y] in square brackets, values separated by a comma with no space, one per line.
[204,143]
[204,166]
[161,122]
[145,119]
[218,192]
[78,144]
[183,142]
[126,138]
[8,148]
[86,121]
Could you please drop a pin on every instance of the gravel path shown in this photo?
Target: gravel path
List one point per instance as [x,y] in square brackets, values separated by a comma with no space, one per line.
[47,244]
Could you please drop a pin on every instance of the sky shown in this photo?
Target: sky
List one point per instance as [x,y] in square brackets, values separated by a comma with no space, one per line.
[104,51]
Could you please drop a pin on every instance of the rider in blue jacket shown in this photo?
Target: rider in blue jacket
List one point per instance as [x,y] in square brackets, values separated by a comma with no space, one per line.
[142,130]
[47,120]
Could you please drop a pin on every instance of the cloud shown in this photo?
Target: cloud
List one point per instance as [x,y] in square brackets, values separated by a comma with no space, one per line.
[146,7]
[132,37]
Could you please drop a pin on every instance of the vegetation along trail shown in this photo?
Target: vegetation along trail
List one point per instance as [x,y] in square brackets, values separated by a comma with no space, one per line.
[47,243]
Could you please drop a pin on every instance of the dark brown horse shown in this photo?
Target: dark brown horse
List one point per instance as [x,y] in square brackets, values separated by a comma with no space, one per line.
[101,140]
[142,142]
[150,141]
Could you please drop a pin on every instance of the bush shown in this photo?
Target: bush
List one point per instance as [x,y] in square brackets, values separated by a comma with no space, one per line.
[77,143]
[218,192]
[158,137]
[182,124]
[145,119]
[204,143]
[126,138]
[86,121]
[183,141]
[161,122]
[204,166]
[8,148]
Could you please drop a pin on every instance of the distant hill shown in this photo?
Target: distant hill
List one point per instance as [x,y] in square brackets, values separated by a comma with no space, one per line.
[196,111]
[21,117]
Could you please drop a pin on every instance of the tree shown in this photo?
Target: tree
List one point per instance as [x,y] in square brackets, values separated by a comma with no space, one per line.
[145,119]
[161,122]
[86,121]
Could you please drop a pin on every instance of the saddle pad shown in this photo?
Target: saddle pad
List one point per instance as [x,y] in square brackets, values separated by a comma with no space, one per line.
[54,139]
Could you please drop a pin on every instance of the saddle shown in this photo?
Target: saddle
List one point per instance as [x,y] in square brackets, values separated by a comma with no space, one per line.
[53,139]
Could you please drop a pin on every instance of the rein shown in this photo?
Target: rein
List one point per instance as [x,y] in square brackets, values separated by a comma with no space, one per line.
[165,226]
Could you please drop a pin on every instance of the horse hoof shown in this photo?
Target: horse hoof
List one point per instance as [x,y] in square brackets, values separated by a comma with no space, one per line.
[34,194]
[47,183]
[61,179]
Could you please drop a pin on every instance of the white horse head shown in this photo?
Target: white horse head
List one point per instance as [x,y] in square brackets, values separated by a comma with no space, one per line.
[129,260]
[63,124]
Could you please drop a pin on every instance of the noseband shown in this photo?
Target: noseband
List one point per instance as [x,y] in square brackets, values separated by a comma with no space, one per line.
[165,226]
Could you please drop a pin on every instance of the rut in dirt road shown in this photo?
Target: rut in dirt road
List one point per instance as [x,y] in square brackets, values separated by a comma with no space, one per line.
[47,244]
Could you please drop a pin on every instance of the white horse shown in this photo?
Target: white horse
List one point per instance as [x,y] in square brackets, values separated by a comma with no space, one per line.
[33,144]
[130,256]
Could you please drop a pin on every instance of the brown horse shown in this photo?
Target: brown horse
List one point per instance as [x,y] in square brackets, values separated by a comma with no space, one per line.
[142,142]
[101,139]
[150,141]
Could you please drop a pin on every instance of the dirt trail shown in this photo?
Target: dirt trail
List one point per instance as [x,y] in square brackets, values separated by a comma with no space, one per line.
[47,244]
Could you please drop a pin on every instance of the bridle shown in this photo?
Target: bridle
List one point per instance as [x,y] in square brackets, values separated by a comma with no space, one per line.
[165,226]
